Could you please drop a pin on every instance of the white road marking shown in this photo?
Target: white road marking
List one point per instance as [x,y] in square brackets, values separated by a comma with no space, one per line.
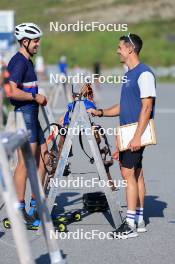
[165,110]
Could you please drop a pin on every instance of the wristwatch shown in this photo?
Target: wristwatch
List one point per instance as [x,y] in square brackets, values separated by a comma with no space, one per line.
[34,96]
[101,110]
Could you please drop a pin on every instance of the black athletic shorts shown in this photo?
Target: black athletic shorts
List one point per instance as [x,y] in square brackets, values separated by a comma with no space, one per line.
[129,159]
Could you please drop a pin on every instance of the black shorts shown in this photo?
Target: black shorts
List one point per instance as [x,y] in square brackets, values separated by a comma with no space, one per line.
[129,159]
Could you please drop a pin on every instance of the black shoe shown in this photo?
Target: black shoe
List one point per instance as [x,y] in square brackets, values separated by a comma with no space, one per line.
[32,221]
[67,170]
[125,231]
[27,218]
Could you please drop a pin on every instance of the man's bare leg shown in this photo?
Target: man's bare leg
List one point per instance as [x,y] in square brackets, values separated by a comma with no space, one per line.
[42,160]
[41,156]
[131,189]
[20,174]
[20,178]
[141,187]
[140,201]
[128,227]
[131,197]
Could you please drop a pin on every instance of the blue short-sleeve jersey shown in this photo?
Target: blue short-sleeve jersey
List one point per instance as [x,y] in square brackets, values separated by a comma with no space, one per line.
[130,101]
[62,67]
[22,72]
[88,104]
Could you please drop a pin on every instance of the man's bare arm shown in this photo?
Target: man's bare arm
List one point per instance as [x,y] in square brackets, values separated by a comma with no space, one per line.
[112,111]
[147,104]
[18,94]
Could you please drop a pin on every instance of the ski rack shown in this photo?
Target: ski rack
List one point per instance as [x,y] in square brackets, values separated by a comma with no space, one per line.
[9,142]
[80,118]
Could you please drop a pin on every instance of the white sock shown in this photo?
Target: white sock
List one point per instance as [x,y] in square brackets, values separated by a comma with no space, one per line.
[130,217]
[139,215]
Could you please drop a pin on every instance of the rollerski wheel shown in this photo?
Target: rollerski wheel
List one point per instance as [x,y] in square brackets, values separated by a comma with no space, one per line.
[76,216]
[6,223]
[62,227]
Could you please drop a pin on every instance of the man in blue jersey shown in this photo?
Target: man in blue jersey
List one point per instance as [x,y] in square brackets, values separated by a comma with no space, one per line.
[25,98]
[137,104]
[63,70]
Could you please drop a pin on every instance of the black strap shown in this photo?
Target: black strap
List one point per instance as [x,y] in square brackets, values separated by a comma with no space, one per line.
[91,159]
[27,48]
[54,124]
[107,143]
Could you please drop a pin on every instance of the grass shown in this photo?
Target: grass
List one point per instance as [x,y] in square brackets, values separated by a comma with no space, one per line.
[89,47]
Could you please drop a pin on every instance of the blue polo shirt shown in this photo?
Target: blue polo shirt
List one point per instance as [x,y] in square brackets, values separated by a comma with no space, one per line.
[22,72]
[131,94]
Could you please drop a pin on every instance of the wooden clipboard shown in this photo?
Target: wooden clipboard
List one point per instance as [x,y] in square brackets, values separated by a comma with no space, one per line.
[126,133]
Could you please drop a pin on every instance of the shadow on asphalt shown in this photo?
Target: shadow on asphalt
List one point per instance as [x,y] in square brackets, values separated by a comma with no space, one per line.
[2,234]
[43,259]
[153,207]
[46,259]
[65,199]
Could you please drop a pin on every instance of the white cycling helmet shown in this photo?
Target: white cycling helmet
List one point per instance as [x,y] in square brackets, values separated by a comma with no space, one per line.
[27,30]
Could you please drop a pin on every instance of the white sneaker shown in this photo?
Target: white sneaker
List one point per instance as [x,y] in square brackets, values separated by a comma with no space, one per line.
[141,228]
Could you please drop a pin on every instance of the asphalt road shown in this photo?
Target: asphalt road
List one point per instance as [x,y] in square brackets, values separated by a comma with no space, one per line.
[154,247]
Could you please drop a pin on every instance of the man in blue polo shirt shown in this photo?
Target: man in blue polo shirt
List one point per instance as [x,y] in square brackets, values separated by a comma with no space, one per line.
[25,98]
[137,104]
